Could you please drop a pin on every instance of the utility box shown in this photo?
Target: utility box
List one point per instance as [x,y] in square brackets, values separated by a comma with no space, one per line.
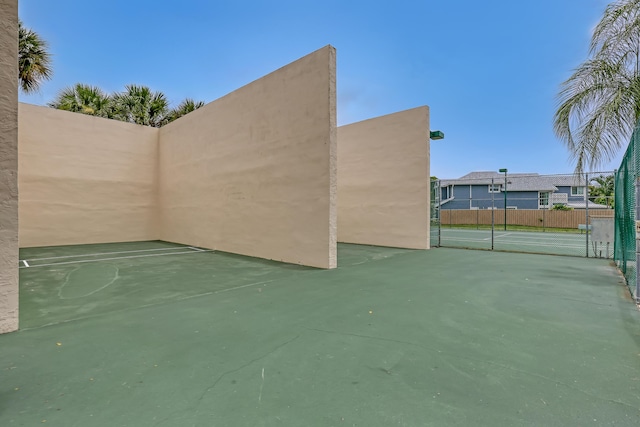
[602,231]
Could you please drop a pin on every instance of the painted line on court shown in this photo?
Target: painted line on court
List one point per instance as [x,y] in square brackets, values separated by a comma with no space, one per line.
[515,233]
[116,258]
[26,264]
[107,253]
[224,290]
[196,249]
[515,242]
[496,237]
[552,238]
[557,245]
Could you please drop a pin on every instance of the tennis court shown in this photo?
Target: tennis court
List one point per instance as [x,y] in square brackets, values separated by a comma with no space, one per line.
[573,244]
[156,334]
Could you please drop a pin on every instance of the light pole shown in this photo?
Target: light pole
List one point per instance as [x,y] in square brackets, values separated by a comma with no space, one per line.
[504,170]
[436,135]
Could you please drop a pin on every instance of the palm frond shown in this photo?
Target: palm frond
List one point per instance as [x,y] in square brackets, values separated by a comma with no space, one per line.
[138,104]
[185,107]
[599,105]
[34,60]
[618,30]
[84,99]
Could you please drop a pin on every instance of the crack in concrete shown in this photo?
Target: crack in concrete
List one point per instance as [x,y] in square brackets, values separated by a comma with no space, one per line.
[249,363]
[224,374]
[506,367]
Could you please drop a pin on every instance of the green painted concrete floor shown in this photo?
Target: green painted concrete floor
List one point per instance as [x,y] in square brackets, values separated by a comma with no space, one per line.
[445,337]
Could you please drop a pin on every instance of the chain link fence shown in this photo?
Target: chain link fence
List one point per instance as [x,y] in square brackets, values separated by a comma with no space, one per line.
[626,214]
[563,214]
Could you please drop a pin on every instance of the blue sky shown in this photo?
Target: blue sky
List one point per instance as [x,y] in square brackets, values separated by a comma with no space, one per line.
[489,71]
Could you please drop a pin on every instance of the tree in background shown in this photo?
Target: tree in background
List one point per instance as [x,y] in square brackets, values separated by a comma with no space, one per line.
[136,104]
[34,61]
[84,99]
[599,105]
[185,107]
[139,104]
[560,207]
[603,191]
[434,197]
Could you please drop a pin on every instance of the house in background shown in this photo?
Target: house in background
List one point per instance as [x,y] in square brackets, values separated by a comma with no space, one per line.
[486,190]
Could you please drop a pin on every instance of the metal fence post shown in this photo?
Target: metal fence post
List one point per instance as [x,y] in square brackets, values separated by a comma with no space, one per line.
[438,195]
[493,211]
[637,227]
[586,211]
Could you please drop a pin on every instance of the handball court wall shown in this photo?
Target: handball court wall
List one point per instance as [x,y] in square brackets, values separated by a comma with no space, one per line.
[383,185]
[8,166]
[85,179]
[254,172]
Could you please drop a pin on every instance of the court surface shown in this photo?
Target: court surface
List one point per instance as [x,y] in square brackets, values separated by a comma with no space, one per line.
[156,334]
[574,244]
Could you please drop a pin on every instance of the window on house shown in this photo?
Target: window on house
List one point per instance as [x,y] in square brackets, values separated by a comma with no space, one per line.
[577,191]
[495,188]
[445,193]
[543,199]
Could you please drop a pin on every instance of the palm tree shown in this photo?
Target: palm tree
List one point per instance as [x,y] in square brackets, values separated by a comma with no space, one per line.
[84,99]
[602,192]
[599,105]
[138,104]
[185,107]
[34,61]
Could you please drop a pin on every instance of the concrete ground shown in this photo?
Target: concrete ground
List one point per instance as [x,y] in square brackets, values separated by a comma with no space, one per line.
[445,337]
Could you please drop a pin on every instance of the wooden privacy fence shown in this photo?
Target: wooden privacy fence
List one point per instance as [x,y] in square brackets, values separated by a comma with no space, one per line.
[527,217]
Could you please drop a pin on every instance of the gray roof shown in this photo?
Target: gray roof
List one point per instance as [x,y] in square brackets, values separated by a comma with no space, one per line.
[592,205]
[517,181]
[567,180]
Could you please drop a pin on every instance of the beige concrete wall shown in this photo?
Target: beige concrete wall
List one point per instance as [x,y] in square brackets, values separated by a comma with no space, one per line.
[253,172]
[8,165]
[383,180]
[85,179]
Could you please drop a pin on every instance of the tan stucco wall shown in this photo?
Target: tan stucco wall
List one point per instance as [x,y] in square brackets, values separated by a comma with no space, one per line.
[85,179]
[254,172]
[383,180]
[8,165]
